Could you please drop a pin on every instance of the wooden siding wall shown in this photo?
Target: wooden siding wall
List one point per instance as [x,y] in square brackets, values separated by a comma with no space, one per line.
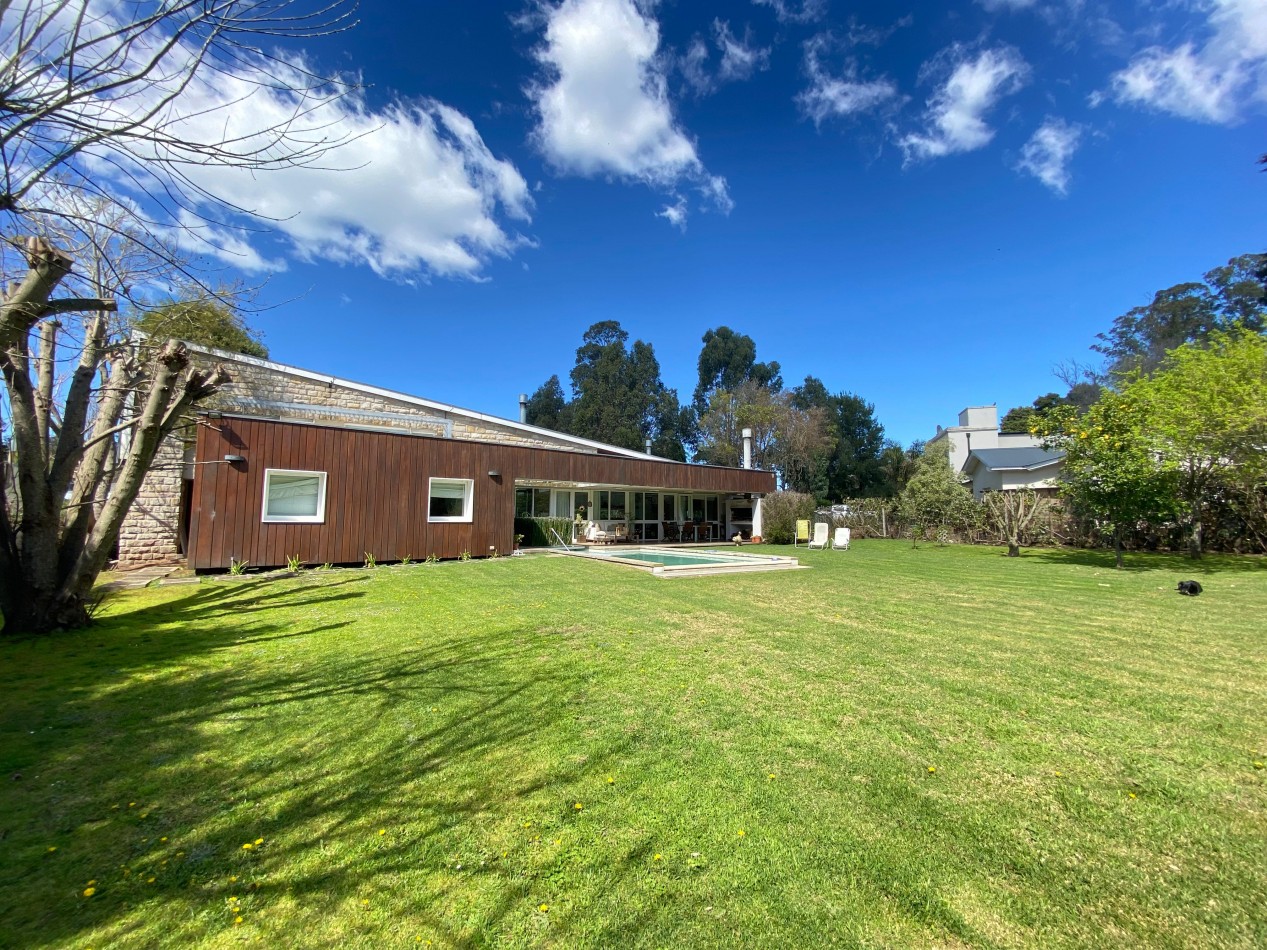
[376,491]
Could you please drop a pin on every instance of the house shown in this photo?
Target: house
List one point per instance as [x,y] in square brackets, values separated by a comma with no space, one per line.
[1011,469]
[990,460]
[288,462]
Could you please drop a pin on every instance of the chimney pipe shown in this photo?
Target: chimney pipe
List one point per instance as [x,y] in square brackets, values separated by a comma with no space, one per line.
[747,448]
[647,443]
[523,407]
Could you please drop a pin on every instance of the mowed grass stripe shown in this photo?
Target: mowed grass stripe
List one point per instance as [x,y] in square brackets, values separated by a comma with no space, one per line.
[896,747]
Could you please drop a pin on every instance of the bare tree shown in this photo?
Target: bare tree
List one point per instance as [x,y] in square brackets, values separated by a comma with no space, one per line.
[108,113]
[1013,513]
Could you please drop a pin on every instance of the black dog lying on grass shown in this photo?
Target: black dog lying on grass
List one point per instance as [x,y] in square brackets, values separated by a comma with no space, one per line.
[1189,588]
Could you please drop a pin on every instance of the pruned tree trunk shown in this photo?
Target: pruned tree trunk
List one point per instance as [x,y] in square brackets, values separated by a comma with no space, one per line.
[63,501]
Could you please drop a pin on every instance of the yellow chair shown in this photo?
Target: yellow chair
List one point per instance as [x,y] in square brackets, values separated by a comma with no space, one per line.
[802,533]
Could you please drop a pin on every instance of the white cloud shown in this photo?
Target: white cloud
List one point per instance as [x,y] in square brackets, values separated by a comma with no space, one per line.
[995,5]
[412,191]
[955,117]
[740,59]
[787,11]
[1047,154]
[1214,82]
[830,96]
[676,213]
[603,108]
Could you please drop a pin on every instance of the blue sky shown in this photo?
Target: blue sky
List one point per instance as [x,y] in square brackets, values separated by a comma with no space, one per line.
[929,205]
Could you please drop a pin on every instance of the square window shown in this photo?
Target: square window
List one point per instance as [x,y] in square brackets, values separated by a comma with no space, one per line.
[294,497]
[451,499]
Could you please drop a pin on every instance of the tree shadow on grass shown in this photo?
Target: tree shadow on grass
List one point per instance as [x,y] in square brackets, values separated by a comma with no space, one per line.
[1146,561]
[157,749]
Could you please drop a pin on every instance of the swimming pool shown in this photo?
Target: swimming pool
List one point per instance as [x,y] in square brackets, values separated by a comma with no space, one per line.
[682,562]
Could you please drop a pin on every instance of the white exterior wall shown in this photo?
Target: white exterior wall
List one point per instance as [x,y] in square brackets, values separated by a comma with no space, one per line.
[979,429]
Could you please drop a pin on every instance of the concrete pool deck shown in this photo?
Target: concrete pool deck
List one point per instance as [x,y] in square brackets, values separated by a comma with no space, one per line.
[696,560]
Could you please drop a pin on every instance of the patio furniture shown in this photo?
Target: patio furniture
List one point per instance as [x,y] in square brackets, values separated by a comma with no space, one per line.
[840,540]
[820,536]
[597,534]
[801,533]
[690,531]
[621,534]
[671,531]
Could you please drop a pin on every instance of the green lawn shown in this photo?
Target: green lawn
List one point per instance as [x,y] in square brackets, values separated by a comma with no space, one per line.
[933,747]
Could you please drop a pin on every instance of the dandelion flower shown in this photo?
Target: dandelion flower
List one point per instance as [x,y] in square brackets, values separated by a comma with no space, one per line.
[52,849]
[932,769]
[248,846]
[742,832]
[1132,794]
[257,840]
[382,831]
[578,806]
[611,780]
[543,908]
[658,857]
[89,891]
[164,838]
[771,775]
[232,878]
[237,920]
[365,903]
[131,804]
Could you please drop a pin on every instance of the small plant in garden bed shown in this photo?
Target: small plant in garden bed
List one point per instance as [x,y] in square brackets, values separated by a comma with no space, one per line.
[236,567]
[294,564]
[369,560]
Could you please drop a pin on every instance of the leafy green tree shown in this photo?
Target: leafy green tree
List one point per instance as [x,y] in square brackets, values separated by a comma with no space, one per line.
[1207,419]
[547,406]
[1110,472]
[205,320]
[728,360]
[1186,313]
[898,465]
[784,438]
[618,396]
[934,498]
[852,463]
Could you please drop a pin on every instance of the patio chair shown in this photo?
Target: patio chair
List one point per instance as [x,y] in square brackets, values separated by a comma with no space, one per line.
[801,534]
[840,540]
[820,536]
[671,531]
[596,534]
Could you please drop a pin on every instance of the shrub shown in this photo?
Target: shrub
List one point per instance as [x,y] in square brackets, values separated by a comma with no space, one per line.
[537,531]
[780,512]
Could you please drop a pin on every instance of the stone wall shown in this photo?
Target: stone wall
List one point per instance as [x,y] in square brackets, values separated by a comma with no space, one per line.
[150,532]
[151,528]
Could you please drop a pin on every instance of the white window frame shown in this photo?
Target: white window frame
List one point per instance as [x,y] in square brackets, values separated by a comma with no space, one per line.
[318,518]
[468,498]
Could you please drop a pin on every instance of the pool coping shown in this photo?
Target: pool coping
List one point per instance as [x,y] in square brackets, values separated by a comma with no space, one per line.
[755,563]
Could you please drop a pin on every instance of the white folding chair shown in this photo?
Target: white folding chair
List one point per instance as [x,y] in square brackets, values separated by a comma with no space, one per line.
[820,536]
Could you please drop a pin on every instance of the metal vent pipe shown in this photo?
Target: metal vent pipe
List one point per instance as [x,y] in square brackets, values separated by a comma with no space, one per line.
[747,448]
[647,444]
[523,407]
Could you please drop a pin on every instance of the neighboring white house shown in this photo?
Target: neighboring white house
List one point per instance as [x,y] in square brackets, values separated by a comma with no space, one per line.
[994,461]
[1011,469]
